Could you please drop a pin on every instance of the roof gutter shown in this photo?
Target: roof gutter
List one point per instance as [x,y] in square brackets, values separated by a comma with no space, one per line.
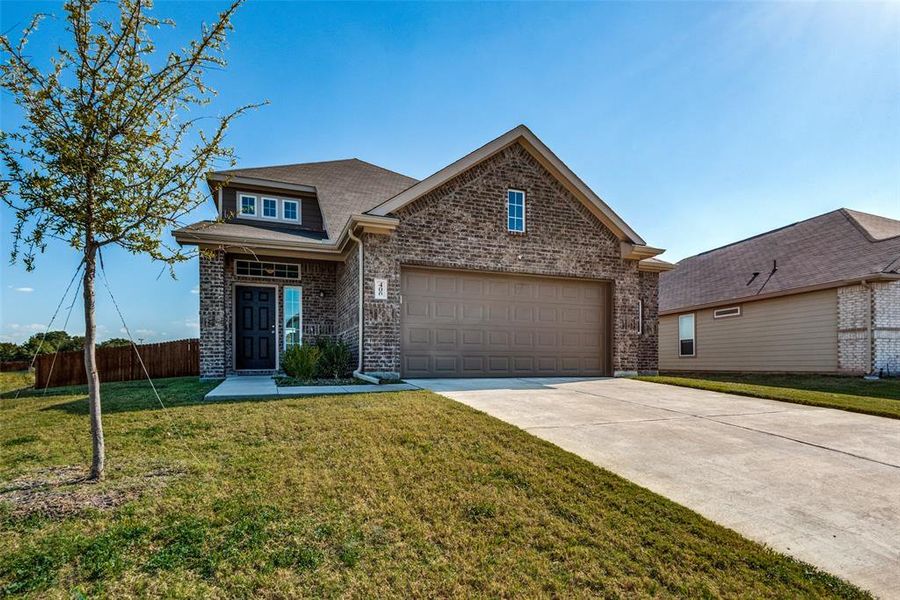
[368,223]
[781,293]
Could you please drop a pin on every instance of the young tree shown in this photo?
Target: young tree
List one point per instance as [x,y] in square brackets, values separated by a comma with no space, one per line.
[105,156]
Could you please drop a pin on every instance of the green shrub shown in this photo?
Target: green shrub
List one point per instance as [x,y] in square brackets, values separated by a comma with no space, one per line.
[301,361]
[334,359]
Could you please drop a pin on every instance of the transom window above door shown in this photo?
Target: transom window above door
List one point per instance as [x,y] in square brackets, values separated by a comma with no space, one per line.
[252,268]
[515,211]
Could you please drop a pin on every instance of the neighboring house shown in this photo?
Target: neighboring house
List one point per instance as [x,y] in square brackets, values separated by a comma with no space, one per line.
[503,263]
[821,295]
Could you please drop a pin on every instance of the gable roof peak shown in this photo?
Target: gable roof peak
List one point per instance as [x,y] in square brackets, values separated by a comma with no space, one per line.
[875,227]
[523,135]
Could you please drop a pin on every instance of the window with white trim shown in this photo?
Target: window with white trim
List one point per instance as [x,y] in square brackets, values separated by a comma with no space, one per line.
[270,208]
[252,268]
[293,317]
[515,211]
[291,210]
[686,335]
[248,205]
[724,313]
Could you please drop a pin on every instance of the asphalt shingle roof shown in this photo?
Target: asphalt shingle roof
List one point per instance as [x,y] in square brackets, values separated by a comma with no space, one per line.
[838,246]
[343,187]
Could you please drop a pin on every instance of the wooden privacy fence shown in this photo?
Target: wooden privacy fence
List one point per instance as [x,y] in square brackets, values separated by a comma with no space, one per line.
[14,365]
[167,359]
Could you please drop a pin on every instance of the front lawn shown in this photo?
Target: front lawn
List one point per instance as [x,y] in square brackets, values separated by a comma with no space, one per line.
[369,495]
[881,398]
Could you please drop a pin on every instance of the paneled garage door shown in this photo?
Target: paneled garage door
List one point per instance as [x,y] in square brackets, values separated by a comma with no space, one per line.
[468,324]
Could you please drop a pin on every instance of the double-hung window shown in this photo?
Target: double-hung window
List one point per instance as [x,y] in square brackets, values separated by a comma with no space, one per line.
[291,211]
[686,335]
[248,205]
[270,208]
[515,211]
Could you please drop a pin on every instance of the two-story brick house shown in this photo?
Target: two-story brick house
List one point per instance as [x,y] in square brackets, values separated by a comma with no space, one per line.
[503,263]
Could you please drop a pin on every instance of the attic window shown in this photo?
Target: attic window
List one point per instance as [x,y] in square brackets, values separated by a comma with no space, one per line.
[252,268]
[723,313]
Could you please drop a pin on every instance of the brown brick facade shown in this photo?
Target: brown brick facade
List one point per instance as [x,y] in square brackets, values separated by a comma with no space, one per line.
[217,282]
[462,225]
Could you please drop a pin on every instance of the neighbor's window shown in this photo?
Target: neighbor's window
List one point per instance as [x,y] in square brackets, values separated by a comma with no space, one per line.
[290,210]
[515,210]
[721,313]
[248,205]
[293,317]
[266,269]
[686,335]
[270,208]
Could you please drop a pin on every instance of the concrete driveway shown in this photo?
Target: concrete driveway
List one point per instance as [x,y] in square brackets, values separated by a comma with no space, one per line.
[820,484]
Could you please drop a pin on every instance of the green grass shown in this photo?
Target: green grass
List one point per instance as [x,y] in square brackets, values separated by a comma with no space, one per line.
[881,398]
[369,495]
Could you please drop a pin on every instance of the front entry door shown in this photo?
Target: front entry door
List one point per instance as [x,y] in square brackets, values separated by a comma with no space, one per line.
[254,327]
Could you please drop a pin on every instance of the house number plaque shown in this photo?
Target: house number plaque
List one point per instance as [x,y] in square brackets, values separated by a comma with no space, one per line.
[381,289]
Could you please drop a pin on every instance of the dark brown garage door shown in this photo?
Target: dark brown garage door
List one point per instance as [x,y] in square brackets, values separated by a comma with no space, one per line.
[467,324]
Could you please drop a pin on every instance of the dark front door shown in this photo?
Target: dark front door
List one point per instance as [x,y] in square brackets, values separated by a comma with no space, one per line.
[254,327]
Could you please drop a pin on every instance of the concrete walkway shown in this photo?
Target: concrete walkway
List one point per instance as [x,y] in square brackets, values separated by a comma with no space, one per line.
[822,485]
[263,386]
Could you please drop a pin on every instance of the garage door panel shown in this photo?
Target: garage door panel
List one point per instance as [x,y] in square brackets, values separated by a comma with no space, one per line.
[547,314]
[498,313]
[415,308]
[472,338]
[497,340]
[446,337]
[472,366]
[418,336]
[472,311]
[470,324]
[416,364]
[445,366]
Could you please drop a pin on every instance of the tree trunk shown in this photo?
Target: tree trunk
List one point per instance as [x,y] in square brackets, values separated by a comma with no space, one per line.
[90,365]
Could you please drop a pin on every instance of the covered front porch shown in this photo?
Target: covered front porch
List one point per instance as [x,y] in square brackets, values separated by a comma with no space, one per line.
[254,307]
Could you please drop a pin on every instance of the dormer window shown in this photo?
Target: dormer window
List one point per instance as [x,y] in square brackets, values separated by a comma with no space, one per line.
[248,205]
[270,208]
[290,210]
[515,211]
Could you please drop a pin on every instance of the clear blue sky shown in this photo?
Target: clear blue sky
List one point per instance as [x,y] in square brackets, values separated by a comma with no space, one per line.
[700,124]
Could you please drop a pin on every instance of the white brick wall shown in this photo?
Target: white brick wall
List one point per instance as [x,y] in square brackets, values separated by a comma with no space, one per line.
[853,333]
[886,321]
[858,350]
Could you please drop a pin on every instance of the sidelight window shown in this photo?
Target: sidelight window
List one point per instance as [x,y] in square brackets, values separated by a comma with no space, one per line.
[293,317]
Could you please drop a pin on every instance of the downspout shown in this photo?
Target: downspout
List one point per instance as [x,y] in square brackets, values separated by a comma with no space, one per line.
[359,367]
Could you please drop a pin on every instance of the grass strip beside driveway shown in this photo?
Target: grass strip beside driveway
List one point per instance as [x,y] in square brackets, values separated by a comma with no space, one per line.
[880,398]
[368,495]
